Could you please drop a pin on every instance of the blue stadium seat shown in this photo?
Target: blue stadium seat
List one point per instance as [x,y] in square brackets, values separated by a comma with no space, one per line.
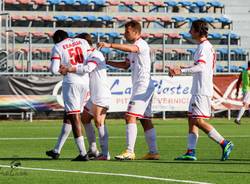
[199,3]
[68,2]
[232,35]
[171,3]
[90,18]
[186,35]
[75,18]
[60,17]
[56,2]
[234,68]
[113,34]
[222,50]
[178,19]
[219,68]
[99,2]
[185,3]
[96,34]
[224,20]
[215,35]
[238,51]
[83,2]
[191,19]
[71,34]
[105,50]
[105,18]
[216,4]
[244,66]
[192,50]
[208,19]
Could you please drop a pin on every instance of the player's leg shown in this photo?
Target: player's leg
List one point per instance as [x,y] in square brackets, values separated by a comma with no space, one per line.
[131,134]
[73,96]
[246,102]
[65,131]
[193,135]
[202,110]
[89,130]
[149,132]
[99,114]
[150,136]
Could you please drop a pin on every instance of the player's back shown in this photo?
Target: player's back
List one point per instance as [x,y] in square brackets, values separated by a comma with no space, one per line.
[73,51]
[203,81]
[99,87]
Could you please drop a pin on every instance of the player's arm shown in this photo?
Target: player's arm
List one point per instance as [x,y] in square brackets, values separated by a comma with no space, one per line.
[123,65]
[79,69]
[199,67]
[122,47]
[55,61]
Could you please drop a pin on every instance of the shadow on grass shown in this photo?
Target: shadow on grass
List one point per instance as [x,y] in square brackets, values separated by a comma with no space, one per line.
[231,172]
[32,159]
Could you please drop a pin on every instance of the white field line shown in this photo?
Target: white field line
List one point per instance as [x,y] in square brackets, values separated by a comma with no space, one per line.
[111,137]
[110,174]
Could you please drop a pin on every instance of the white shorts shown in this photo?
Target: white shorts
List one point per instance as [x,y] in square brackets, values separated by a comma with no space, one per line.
[74,97]
[200,107]
[246,98]
[89,106]
[140,105]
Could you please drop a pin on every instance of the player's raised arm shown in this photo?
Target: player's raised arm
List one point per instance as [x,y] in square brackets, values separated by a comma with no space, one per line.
[123,65]
[122,47]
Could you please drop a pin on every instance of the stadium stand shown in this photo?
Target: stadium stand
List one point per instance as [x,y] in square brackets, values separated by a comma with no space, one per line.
[165,28]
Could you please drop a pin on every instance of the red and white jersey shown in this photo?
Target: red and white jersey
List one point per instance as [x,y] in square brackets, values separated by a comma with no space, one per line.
[203,80]
[71,52]
[99,88]
[140,65]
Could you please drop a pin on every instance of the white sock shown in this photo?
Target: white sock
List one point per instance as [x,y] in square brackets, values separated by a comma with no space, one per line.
[241,112]
[131,133]
[90,133]
[103,139]
[192,140]
[80,145]
[214,135]
[150,136]
[65,131]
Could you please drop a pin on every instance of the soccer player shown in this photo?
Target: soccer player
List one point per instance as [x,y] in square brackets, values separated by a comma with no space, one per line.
[142,90]
[70,52]
[245,79]
[202,92]
[99,101]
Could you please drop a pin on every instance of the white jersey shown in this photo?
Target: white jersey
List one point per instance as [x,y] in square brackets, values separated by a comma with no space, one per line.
[140,65]
[203,80]
[99,88]
[71,52]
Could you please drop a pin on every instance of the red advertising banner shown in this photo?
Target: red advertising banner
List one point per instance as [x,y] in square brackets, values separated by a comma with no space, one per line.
[224,93]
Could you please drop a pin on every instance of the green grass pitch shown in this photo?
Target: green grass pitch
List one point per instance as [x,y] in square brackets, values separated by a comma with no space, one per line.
[171,142]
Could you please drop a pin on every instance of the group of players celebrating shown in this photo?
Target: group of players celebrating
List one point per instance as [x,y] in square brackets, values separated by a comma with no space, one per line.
[84,71]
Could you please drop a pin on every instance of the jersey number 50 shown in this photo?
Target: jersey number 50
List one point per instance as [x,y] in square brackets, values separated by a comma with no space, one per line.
[76,55]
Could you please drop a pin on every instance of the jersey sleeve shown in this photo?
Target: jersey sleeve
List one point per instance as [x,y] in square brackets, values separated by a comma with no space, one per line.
[91,64]
[55,60]
[142,46]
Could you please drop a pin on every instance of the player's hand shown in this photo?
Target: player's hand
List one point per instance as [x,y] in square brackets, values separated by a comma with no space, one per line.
[103,45]
[63,70]
[177,71]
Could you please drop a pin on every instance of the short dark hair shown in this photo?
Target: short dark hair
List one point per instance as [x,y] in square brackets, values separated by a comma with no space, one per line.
[59,36]
[136,26]
[85,36]
[201,27]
